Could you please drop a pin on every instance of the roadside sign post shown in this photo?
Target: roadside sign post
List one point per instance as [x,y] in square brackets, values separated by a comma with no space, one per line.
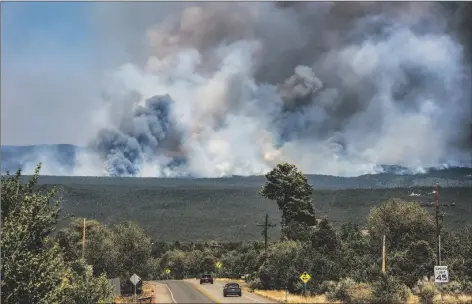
[441,276]
[167,272]
[218,266]
[305,277]
[135,280]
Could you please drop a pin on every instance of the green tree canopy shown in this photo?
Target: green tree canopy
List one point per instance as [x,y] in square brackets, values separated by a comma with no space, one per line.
[81,287]
[282,267]
[402,222]
[32,266]
[175,260]
[326,239]
[100,249]
[133,249]
[456,252]
[290,189]
[361,256]
[412,264]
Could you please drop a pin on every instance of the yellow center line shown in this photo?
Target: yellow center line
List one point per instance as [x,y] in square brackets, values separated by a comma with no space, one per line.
[205,293]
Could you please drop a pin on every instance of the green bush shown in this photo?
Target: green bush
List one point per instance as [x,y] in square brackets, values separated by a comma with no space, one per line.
[467,287]
[388,290]
[341,291]
[327,287]
[360,293]
[426,290]
[280,269]
[452,288]
[255,284]
[348,291]
[82,287]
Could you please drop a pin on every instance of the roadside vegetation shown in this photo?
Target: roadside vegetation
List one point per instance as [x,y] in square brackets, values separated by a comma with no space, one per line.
[34,268]
[41,265]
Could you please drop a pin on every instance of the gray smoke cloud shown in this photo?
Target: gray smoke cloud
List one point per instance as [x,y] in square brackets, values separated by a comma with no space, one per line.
[213,89]
[336,88]
[141,138]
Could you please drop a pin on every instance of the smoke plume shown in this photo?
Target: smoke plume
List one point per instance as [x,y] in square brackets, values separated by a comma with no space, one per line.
[214,89]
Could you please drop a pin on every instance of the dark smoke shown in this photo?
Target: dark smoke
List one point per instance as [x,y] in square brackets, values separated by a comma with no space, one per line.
[336,88]
[148,132]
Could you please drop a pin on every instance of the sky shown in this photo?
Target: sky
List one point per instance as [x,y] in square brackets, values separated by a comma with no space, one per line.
[48,55]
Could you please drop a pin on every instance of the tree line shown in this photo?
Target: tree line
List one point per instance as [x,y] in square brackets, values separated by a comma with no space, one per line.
[40,264]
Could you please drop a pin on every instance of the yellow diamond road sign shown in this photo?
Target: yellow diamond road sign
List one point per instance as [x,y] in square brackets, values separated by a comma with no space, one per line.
[305,277]
[167,270]
[218,265]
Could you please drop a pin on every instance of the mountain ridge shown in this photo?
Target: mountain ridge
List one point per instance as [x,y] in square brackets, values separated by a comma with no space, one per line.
[14,157]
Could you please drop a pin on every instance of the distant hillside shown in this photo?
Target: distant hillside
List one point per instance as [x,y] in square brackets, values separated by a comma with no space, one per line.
[13,157]
[460,177]
[203,211]
[229,208]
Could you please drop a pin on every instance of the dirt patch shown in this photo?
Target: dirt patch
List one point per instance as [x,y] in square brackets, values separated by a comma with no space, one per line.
[160,293]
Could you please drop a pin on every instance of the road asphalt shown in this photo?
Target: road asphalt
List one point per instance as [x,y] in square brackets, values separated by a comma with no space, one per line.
[184,292]
[215,293]
[190,291]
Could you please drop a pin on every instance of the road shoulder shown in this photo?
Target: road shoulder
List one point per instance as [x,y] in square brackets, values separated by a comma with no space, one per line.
[161,293]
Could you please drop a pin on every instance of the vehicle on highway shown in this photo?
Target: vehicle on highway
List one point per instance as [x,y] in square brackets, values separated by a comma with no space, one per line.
[206,278]
[232,289]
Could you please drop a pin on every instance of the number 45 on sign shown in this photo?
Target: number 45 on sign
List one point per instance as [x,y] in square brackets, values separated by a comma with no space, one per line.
[441,275]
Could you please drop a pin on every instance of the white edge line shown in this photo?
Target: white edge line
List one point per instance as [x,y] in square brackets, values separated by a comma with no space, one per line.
[171,294]
[246,296]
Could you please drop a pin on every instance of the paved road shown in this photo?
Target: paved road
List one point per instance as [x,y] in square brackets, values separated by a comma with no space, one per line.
[190,291]
[183,292]
[215,293]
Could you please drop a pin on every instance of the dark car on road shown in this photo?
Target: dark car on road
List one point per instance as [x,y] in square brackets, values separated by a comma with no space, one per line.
[206,278]
[232,289]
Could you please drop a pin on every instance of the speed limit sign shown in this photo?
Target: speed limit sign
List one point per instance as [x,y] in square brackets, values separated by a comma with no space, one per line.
[441,275]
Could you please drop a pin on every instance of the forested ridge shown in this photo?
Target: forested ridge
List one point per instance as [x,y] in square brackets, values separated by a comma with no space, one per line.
[344,259]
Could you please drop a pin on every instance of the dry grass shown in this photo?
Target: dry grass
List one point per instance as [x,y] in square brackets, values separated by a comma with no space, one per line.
[448,299]
[147,292]
[240,281]
[279,295]
[147,289]
[120,300]
[412,299]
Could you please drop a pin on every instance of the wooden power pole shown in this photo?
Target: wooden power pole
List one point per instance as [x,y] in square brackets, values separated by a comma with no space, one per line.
[83,240]
[266,226]
[438,224]
[384,256]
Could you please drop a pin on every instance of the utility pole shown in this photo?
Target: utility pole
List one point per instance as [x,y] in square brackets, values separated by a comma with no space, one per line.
[83,240]
[384,255]
[17,187]
[266,226]
[438,225]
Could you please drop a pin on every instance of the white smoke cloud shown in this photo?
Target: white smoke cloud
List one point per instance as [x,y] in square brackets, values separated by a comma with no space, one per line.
[246,93]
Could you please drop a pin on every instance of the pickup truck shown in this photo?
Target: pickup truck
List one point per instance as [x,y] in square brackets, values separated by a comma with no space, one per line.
[206,278]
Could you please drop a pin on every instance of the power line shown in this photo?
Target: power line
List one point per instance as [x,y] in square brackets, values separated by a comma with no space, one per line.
[436,205]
